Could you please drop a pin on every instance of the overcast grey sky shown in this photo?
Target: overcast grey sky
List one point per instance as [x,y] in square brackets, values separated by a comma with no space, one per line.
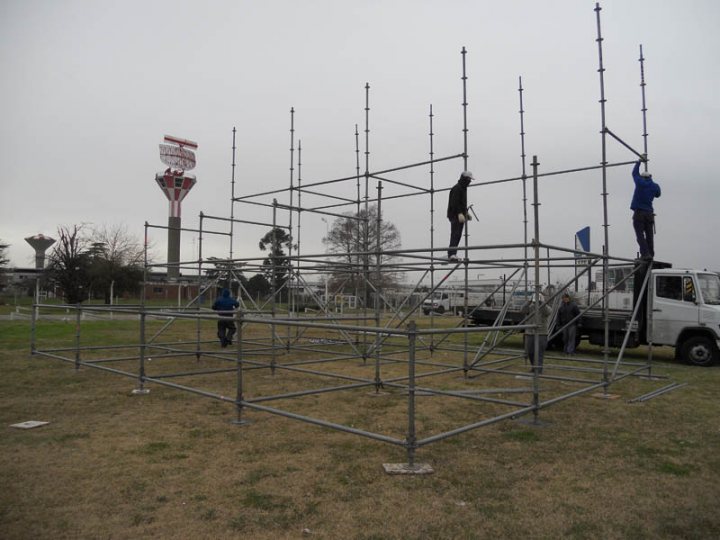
[89,88]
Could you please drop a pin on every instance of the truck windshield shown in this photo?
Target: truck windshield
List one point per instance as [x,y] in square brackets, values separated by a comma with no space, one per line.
[710,287]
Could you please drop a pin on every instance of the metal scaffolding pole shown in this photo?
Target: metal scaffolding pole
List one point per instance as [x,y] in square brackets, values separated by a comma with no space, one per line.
[538,329]
[232,193]
[645,164]
[432,228]
[524,175]
[378,286]
[291,291]
[606,245]
[467,221]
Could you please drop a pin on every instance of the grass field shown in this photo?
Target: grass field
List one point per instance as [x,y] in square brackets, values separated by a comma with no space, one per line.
[171,464]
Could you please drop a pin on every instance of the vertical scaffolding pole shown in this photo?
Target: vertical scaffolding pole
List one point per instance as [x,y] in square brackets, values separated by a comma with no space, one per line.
[366,222]
[141,390]
[536,249]
[465,167]
[33,329]
[273,288]
[78,316]
[464,107]
[606,246]
[411,436]
[378,286]
[199,282]
[358,238]
[524,179]
[239,370]
[299,227]
[432,230]
[232,194]
[644,106]
[289,286]
[650,289]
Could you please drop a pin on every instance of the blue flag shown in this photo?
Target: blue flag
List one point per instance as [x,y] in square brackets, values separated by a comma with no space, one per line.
[582,241]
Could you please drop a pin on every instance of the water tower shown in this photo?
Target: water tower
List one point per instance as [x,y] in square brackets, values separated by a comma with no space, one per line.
[40,244]
[177,154]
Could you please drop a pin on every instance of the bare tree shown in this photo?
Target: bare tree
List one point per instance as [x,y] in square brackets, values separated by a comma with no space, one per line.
[4,260]
[106,261]
[117,259]
[120,247]
[69,264]
[353,241]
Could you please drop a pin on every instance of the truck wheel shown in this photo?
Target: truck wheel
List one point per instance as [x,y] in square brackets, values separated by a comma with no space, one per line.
[699,351]
[426,311]
[441,310]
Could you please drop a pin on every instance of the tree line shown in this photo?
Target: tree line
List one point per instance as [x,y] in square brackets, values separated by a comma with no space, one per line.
[108,261]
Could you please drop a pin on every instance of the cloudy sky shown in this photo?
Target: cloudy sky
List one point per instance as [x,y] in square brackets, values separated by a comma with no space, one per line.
[89,88]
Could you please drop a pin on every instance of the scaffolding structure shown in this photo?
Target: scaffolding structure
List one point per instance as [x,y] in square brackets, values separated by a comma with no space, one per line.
[382,346]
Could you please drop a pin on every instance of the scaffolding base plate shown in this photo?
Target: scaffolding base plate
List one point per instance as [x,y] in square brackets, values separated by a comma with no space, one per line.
[533,422]
[406,468]
[601,395]
[240,422]
[30,424]
[140,391]
[378,394]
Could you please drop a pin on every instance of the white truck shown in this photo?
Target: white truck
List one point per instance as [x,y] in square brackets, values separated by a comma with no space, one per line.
[453,301]
[685,313]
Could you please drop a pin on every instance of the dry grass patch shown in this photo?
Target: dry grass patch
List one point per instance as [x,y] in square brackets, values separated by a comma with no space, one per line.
[172,464]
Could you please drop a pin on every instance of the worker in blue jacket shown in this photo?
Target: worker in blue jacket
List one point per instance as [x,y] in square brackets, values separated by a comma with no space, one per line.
[642,206]
[226,328]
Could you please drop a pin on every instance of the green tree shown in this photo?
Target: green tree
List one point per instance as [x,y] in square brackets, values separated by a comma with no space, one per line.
[348,240]
[258,285]
[276,266]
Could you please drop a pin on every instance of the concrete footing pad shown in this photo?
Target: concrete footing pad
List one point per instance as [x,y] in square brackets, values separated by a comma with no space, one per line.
[406,468]
[602,395]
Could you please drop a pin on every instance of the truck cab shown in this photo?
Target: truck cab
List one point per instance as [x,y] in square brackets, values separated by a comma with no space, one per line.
[685,306]
[438,303]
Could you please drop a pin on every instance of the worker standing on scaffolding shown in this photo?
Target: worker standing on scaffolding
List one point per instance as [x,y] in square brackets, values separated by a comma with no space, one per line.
[226,328]
[643,214]
[457,212]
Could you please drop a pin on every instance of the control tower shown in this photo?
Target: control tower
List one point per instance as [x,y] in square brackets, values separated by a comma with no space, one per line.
[177,154]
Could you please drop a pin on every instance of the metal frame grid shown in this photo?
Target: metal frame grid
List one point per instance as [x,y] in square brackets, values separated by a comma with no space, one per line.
[395,353]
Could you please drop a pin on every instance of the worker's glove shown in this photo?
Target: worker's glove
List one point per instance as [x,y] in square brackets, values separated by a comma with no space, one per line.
[643,158]
[469,217]
[461,218]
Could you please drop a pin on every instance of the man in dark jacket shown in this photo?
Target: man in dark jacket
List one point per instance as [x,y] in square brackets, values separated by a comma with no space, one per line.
[225,304]
[457,212]
[568,311]
[643,214]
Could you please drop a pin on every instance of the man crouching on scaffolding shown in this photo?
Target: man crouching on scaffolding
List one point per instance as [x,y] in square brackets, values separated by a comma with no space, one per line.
[225,304]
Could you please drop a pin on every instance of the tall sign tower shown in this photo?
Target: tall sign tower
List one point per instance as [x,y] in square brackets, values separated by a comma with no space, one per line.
[178,155]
